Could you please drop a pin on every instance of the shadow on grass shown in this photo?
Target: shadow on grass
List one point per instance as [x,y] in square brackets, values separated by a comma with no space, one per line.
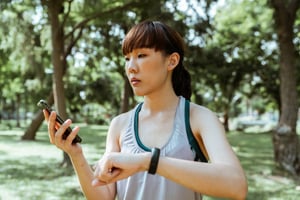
[265,180]
[30,169]
[33,168]
[91,134]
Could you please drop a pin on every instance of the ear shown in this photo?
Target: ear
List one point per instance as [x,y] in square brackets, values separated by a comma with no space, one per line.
[173,60]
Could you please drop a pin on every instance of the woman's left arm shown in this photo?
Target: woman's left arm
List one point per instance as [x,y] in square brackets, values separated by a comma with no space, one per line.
[223,176]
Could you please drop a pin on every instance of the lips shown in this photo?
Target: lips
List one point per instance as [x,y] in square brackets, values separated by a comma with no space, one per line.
[134,81]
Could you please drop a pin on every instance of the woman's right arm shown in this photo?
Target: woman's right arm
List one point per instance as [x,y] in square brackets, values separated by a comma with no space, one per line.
[82,168]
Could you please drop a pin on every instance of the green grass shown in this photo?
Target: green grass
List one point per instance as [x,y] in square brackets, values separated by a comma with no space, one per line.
[255,151]
[30,170]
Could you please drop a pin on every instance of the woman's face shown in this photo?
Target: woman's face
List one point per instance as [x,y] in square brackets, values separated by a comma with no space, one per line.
[147,70]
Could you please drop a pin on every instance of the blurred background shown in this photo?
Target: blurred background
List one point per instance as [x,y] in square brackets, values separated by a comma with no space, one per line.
[243,57]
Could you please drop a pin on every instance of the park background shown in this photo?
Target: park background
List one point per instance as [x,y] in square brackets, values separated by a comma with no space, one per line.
[243,57]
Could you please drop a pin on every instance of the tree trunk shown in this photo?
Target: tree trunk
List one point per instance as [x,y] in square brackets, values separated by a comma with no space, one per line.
[37,121]
[226,121]
[285,139]
[55,7]
[18,103]
[127,94]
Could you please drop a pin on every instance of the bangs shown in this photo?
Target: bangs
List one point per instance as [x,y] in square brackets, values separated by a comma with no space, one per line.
[147,34]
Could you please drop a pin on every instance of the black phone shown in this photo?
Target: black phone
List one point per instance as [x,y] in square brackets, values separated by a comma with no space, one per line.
[43,105]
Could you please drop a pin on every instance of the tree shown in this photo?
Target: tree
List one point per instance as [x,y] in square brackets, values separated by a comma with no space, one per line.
[63,43]
[285,140]
[25,59]
[34,126]
[229,58]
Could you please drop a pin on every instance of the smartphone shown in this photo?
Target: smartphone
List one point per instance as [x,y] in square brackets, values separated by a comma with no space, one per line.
[43,105]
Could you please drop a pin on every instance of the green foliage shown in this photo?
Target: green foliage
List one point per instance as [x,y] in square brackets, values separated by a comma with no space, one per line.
[94,31]
[23,58]
[232,55]
[238,58]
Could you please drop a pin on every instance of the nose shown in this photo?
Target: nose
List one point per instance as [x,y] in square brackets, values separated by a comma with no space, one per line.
[131,65]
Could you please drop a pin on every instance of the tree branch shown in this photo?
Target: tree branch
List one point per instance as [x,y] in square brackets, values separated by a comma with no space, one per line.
[73,42]
[67,14]
[293,6]
[101,14]
[81,25]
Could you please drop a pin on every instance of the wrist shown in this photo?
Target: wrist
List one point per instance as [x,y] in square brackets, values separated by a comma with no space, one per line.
[146,158]
[75,155]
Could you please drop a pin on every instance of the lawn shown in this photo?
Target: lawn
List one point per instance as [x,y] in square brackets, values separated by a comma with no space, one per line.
[30,170]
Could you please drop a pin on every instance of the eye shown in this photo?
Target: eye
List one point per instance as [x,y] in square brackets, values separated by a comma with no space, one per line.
[141,55]
[126,58]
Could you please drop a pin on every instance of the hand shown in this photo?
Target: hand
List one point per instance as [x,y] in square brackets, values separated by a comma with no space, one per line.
[56,131]
[116,166]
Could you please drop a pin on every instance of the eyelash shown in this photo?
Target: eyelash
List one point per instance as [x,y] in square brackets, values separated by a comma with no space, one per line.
[141,55]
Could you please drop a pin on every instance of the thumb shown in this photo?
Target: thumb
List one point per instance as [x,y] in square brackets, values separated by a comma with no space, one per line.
[96,182]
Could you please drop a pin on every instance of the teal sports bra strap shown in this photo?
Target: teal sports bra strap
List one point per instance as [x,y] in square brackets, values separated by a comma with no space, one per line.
[199,156]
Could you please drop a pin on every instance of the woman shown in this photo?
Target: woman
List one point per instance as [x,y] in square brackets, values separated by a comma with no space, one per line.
[148,155]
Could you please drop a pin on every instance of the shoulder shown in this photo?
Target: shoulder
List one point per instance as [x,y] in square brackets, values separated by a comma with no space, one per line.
[204,120]
[207,127]
[203,113]
[120,122]
[121,119]
[117,125]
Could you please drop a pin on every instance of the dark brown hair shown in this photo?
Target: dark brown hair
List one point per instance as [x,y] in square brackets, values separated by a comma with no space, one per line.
[157,35]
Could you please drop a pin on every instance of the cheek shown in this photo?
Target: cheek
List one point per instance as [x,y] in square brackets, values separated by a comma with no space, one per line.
[126,68]
[156,68]
[126,71]
[157,77]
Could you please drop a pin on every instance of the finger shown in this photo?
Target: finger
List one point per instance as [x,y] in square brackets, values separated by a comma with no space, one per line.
[105,178]
[72,135]
[115,175]
[108,176]
[61,130]
[101,172]
[46,114]
[97,169]
[51,126]
[96,183]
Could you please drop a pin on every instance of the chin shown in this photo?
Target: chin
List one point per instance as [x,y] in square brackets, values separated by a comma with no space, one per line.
[139,94]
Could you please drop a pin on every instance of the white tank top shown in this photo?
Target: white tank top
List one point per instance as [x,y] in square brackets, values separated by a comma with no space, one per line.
[144,186]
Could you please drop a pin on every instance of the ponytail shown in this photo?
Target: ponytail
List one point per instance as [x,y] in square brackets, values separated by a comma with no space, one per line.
[181,81]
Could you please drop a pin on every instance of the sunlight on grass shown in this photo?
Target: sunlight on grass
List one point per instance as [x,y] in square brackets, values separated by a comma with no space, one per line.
[31,170]
[255,151]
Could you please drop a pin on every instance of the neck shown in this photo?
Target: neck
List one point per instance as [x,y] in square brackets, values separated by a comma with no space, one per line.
[160,102]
